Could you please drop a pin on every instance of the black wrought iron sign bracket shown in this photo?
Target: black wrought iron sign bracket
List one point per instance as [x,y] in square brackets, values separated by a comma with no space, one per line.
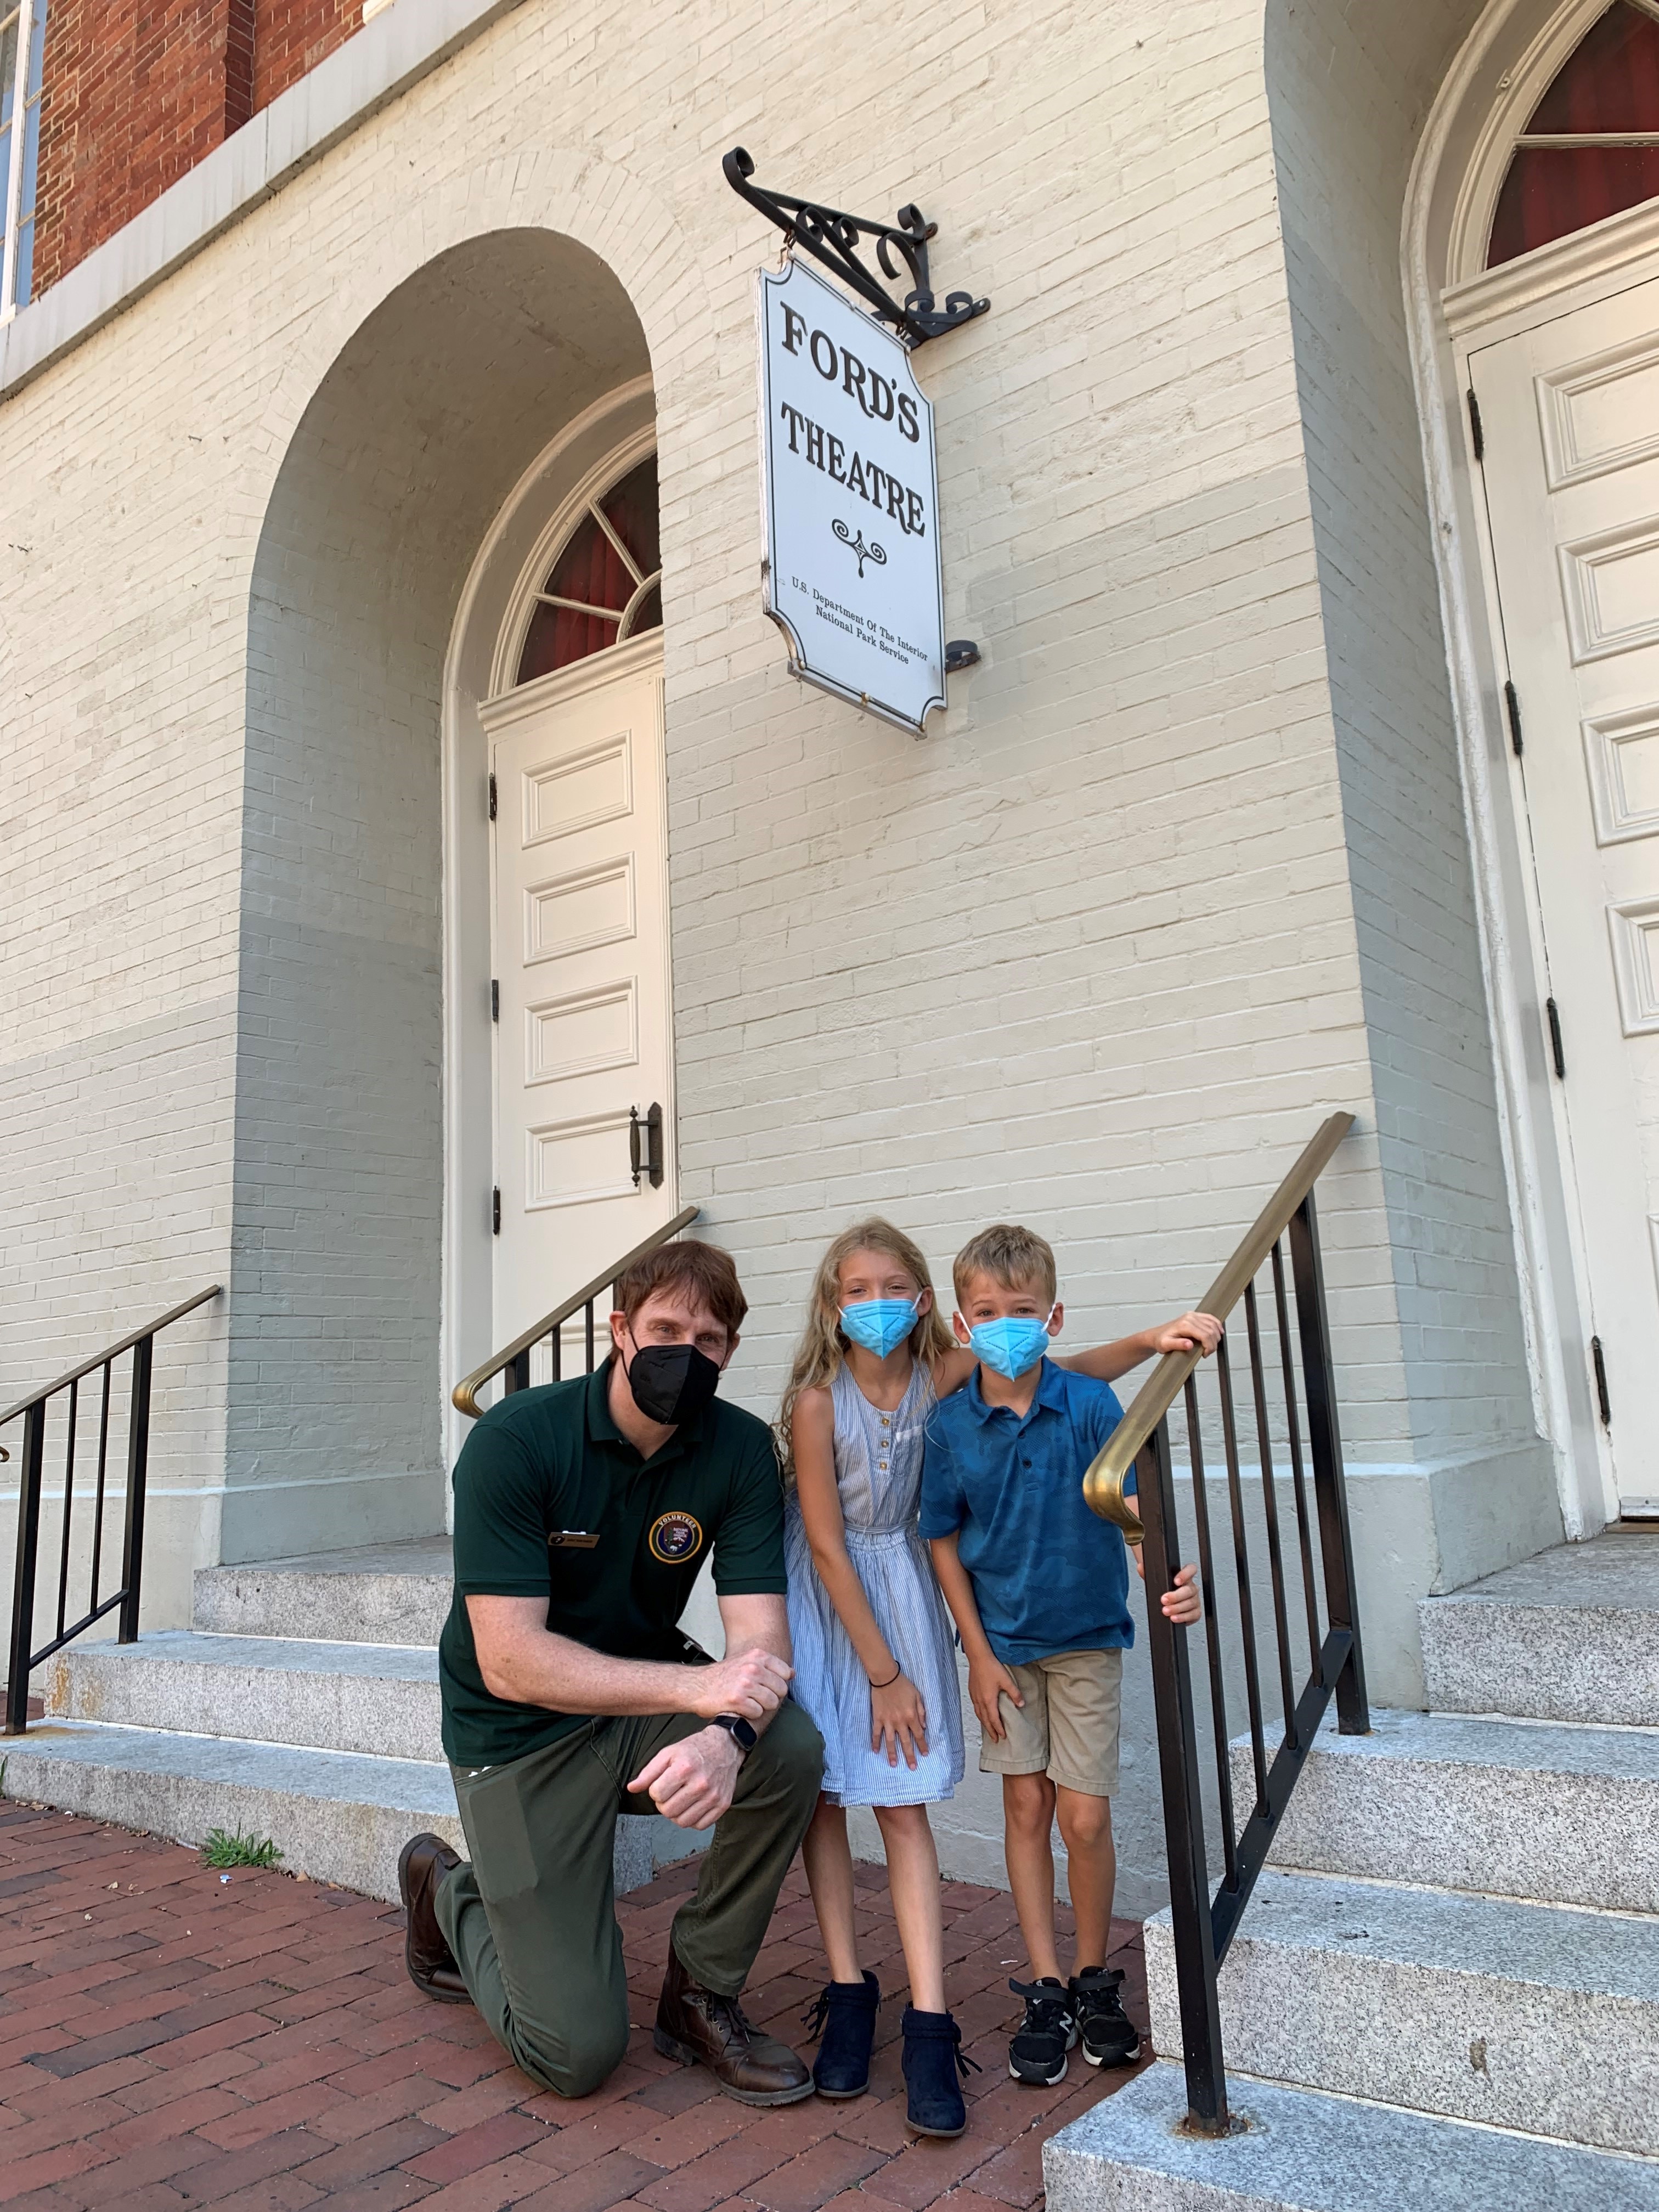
[833,237]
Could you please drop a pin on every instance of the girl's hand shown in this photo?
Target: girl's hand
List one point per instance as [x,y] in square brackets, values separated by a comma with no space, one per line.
[987,1679]
[1182,1605]
[898,1722]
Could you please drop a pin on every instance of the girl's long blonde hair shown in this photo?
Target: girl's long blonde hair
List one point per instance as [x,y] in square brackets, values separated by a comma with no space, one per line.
[822,1346]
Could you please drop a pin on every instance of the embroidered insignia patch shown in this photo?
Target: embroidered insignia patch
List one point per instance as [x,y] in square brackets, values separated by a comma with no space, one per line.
[675,1538]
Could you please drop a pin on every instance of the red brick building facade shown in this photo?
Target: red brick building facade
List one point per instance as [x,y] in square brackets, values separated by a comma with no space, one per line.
[133,95]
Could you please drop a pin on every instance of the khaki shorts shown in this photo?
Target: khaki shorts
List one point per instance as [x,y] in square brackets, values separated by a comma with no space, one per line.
[1067,1728]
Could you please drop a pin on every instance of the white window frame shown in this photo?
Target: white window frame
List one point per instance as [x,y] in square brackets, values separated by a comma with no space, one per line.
[25,111]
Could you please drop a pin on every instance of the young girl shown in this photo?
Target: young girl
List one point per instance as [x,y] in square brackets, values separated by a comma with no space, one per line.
[875,1663]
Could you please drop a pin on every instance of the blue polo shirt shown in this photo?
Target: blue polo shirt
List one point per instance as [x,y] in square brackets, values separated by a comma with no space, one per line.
[1047,1574]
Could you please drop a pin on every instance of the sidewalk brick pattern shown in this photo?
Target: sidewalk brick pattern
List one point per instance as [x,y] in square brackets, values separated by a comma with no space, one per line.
[171,2040]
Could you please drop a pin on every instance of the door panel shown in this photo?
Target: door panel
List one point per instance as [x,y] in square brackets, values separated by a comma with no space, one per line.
[1570,411]
[581,960]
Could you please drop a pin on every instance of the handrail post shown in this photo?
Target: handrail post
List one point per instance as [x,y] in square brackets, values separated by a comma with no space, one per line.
[1183,1807]
[28,1542]
[1325,1450]
[132,1553]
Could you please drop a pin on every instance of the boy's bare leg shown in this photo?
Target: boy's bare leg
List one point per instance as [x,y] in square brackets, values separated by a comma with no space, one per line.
[1028,1812]
[1086,1829]
[912,1880]
[828,1861]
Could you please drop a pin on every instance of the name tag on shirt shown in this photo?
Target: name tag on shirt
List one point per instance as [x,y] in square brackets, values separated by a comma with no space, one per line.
[572,1539]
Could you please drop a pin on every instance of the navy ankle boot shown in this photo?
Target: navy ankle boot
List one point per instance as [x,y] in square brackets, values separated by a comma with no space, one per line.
[844,2015]
[933,2062]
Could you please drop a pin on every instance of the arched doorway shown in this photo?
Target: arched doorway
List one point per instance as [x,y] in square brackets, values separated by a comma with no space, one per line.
[1540,257]
[584,1154]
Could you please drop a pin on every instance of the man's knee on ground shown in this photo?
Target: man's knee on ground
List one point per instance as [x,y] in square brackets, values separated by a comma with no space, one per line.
[1085,1822]
[1028,1803]
[571,2069]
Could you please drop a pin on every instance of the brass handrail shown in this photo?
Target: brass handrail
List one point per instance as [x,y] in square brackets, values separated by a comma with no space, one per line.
[1104,1483]
[464,1396]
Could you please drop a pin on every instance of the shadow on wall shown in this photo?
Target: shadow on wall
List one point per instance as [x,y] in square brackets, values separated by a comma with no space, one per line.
[414,439]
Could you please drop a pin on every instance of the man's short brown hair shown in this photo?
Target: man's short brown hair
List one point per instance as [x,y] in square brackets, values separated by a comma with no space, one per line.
[697,1274]
[1008,1255]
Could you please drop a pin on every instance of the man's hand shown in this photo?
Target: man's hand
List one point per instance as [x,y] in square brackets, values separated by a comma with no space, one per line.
[1182,1604]
[1186,1332]
[691,1781]
[753,1686]
[986,1677]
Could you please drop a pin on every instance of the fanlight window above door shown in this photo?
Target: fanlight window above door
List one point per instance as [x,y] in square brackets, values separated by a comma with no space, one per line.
[1590,148]
[606,584]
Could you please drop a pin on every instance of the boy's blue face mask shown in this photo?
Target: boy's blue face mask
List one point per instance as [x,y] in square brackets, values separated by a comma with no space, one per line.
[1011,1345]
[880,1325]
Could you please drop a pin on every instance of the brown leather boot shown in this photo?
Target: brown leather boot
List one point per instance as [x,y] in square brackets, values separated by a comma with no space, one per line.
[700,2029]
[424,1861]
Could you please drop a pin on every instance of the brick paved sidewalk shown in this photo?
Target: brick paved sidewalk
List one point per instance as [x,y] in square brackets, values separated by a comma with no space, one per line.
[169,2039]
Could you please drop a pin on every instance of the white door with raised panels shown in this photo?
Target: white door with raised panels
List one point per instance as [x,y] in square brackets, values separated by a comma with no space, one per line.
[584,1054]
[1569,412]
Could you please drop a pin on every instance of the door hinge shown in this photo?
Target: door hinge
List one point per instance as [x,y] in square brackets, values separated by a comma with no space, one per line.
[1557,1054]
[1475,429]
[492,794]
[494,999]
[496,1210]
[1600,1367]
[1512,701]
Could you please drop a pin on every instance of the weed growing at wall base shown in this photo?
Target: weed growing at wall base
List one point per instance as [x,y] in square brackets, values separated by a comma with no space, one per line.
[236,1849]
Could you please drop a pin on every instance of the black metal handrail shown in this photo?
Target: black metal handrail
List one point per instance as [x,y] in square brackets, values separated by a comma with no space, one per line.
[1203,1923]
[512,1363]
[23,1659]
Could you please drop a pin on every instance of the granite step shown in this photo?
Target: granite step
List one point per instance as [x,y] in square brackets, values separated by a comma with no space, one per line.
[1572,1635]
[385,1594]
[378,1699]
[1305,2151]
[1548,1812]
[1543,2019]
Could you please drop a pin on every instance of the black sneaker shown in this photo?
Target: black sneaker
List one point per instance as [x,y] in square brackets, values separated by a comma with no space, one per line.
[1038,2053]
[1108,2037]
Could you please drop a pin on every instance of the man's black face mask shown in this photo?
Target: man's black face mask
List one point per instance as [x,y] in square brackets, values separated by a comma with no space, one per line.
[672,1381]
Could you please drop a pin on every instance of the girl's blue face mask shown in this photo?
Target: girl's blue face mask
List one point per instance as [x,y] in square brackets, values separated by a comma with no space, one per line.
[880,1325]
[1012,1344]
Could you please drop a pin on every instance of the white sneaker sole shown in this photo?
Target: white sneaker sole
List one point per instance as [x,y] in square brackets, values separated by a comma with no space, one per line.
[1037,2081]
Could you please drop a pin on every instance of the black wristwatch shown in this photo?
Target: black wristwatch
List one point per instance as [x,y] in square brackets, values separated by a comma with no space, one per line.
[739,1731]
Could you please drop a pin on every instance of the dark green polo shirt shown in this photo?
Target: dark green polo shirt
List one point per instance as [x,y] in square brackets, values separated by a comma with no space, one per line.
[553,1459]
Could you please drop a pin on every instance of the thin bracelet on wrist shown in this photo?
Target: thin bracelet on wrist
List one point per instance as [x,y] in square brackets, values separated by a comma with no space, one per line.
[889,1683]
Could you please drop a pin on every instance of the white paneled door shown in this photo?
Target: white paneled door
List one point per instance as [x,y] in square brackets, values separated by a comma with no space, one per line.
[1569,412]
[584,1055]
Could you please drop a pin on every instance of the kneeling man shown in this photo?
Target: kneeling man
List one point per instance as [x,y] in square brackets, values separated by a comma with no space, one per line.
[583,1512]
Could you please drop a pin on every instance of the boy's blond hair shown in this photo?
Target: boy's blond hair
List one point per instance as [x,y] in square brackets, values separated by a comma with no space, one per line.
[1009,1256]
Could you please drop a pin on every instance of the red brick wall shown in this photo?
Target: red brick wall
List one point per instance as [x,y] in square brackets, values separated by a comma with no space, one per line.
[134,93]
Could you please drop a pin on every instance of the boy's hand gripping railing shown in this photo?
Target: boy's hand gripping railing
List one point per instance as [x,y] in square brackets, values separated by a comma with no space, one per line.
[1203,1925]
[23,1658]
[511,1364]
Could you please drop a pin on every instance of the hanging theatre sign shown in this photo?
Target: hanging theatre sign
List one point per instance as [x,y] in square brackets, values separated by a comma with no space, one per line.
[851,563]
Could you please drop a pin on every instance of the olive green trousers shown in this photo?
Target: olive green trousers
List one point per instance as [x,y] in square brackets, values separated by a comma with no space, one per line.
[531,1920]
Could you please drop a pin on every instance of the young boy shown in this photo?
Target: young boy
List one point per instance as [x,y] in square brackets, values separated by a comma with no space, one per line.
[1038,1587]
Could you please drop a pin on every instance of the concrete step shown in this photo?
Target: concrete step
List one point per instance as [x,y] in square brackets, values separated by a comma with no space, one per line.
[380,1700]
[1541,2017]
[337,1816]
[389,1594]
[1572,1635]
[1561,1815]
[1306,2152]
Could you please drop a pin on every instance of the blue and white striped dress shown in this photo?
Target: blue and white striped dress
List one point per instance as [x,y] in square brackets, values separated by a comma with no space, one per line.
[878,1475]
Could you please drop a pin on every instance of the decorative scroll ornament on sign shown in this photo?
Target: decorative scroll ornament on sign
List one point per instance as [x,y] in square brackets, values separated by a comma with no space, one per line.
[832,237]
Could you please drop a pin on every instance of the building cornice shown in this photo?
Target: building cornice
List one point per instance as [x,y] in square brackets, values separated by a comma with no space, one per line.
[404,42]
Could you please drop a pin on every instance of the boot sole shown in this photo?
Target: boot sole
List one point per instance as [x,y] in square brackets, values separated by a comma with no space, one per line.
[842,2096]
[670,2047]
[436,1996]
[943,2135]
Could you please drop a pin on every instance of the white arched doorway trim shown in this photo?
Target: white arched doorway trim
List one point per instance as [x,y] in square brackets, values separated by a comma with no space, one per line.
[547,501]
[1452,303]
